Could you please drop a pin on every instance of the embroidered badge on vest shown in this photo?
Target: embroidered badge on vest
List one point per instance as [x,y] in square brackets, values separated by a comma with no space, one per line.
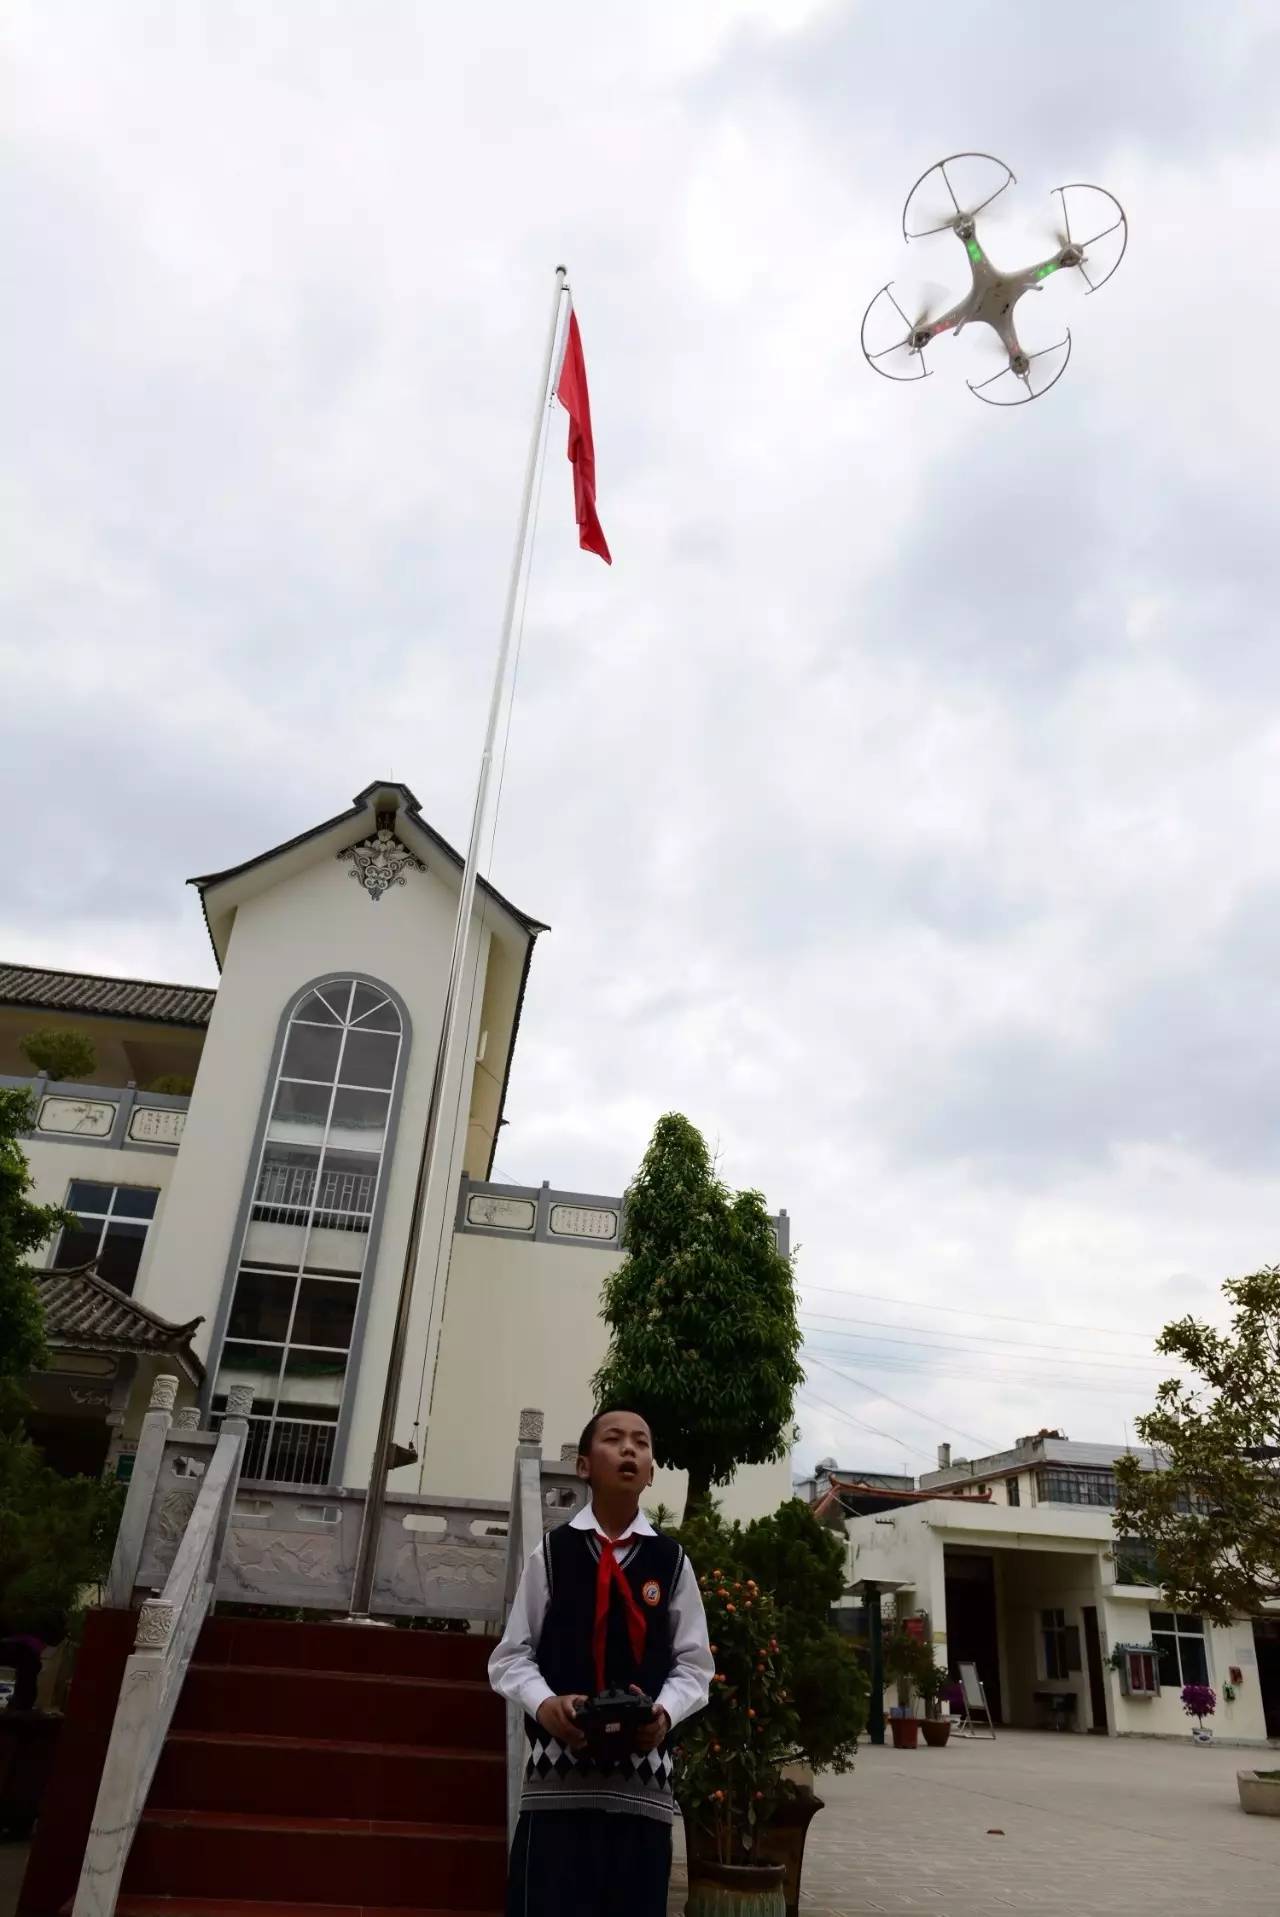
[651,1592]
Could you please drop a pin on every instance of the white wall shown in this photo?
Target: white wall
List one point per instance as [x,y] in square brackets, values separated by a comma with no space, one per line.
[1128,1621]
[522,1327]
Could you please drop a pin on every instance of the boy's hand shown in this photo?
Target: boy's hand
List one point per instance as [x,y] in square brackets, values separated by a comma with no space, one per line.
[650,1735]
[558,1716]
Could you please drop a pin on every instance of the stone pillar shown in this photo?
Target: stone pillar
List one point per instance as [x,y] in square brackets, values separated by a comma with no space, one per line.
[236,1421]
[141,1493]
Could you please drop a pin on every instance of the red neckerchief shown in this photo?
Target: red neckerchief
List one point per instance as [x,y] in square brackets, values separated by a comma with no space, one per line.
[608,1574]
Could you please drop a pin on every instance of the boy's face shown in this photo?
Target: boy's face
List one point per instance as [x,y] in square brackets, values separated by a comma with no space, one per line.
[621,1454]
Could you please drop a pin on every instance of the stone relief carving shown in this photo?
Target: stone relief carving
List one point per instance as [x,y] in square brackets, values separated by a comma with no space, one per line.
[155,1624]
[164,1392]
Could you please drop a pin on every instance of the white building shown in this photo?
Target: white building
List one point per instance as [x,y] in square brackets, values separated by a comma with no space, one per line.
[1024,1576]
[259,1225]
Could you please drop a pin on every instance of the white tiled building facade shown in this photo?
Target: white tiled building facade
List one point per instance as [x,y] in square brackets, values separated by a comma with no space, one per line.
[273,1203]
[1012,1562]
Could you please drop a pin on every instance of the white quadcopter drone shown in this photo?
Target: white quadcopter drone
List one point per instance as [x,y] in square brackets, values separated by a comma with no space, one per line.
[993,294]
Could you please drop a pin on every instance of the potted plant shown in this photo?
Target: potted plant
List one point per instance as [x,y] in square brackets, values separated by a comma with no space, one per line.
[932,1682]
[64,1055]
[907,1660]
[1199,1701]
[731,1757]
[801,1565]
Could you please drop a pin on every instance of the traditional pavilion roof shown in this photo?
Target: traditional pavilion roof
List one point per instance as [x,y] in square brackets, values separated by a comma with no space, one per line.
[82,1312]
[43,990]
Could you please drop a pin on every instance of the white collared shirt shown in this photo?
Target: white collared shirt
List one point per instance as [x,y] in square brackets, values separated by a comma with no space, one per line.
[513,1668]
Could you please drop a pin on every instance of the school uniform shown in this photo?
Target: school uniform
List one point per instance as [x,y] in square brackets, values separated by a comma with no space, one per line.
[594,1837]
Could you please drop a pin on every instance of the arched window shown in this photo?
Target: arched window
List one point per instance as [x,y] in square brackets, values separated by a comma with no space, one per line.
[296,1298]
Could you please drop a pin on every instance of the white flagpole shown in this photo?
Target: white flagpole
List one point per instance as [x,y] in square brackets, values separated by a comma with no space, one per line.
[438,1142]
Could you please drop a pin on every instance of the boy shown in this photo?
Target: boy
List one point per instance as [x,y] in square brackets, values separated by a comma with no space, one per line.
[604,1601]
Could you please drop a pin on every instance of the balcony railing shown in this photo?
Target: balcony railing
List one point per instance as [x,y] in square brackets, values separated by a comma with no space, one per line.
[285,1194]
[289,1451]
[118,1118]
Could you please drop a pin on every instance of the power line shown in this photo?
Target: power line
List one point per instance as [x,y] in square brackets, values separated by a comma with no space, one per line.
[1018,1344]
[864,1426]
[969,1311]
[1043,1356]
[909,1409]
[1037,1379]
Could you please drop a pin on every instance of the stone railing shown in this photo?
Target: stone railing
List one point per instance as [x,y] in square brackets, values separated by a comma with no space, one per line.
[542,1216]
[295,1546]
[121,1118]
[168,1627]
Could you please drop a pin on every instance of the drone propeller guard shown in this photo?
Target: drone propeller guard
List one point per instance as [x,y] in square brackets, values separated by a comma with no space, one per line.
[993,294]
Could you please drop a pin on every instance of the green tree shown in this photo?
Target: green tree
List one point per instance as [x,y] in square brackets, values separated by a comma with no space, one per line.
[65,1054]
[1212,1513]
[56,1533]
[702,1312]
[24,1227]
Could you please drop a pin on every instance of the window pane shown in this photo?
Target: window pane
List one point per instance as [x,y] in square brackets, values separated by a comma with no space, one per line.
[312,1052]
[1167,1657]
[1162,1620]
[326,1313]
[300,1104]
[347,1185]
[316,1012]
[134,1201]
[85,1197]
[312,1387]
[77,1247]
[262,1305]
[121,1254]
[1188,1621]
[1195,1665]
[300,1454]
[286,1181]
[369,1058]
[362,1112]
[374,1010]
[255,1365]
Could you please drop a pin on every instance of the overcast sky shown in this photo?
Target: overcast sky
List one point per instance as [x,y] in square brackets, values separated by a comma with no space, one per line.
[904,800]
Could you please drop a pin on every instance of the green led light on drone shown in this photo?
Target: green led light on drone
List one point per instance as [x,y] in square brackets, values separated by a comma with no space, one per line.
[1045,271]
[974,250]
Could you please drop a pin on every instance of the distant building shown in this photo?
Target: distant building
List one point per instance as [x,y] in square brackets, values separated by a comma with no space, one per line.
[1023,1575]
[256,1225]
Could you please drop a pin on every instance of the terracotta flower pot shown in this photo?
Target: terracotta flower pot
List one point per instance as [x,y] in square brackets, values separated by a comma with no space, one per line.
[906,1732]
[735,1890]
[936,1731]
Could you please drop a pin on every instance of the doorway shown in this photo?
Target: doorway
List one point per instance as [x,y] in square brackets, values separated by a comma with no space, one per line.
[1266,1638]
[1097,1676]
[972,1630]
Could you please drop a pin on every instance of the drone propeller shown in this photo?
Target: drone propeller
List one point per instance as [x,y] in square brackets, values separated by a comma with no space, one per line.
[949,195]
[894,336]
[1087,235]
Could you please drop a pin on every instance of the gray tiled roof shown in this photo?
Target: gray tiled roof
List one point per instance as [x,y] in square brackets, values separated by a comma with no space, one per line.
[82,1312]
[105,997]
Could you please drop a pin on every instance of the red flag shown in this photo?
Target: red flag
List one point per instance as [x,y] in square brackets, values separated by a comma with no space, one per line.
[573,396]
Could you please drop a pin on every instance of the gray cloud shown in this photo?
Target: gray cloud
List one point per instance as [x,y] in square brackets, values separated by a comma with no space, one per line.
[903,799]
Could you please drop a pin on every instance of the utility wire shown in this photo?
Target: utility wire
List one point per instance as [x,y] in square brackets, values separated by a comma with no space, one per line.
[1047,1356]
[969,1311]
[909,1409]
[864,1426]
[1026,1379]
[1018,1344]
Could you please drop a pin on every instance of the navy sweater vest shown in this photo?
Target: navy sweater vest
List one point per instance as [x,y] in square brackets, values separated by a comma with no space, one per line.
[560,1779]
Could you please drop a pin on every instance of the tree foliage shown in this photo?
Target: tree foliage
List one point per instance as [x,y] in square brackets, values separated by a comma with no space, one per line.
[24,1227]
[56,1539]
[1212,1513]
[702,1313]
[800,1566]
[65,1054]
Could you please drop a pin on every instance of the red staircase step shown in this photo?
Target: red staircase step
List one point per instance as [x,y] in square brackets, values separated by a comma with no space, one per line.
[222,1907]
[313,1704]
[294,1776]
[344,1647]
[182,1854]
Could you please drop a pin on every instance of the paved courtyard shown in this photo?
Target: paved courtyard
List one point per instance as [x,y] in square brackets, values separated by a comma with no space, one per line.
[1089,1825]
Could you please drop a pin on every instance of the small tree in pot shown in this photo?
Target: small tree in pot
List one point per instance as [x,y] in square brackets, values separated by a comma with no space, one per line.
[731,1758]
[908,1660]
[932,1682]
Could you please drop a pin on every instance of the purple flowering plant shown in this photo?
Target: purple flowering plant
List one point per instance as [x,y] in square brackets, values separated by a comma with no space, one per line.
[1199,1701]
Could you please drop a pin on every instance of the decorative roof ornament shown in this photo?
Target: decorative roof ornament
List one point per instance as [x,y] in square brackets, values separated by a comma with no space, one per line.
[380,861]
